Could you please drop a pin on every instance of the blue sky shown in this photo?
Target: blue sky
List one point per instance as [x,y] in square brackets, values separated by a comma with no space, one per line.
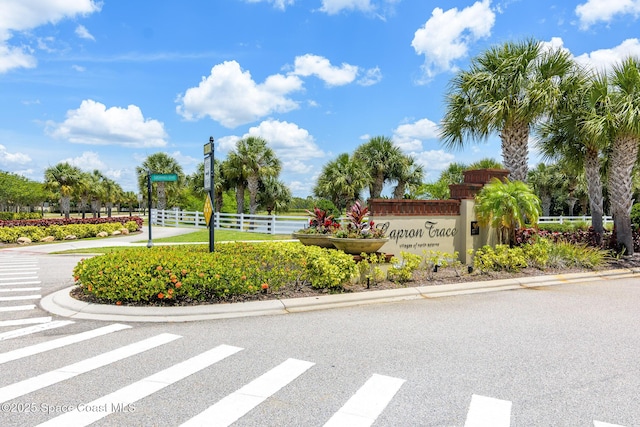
[104,84]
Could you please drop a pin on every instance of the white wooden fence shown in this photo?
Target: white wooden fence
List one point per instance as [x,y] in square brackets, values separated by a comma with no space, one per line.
[268,224]
[570,219]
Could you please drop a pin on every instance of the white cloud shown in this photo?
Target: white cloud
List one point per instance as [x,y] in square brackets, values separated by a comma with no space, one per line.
[83,33]
[7,158]
[434,160]
[185,159]
[409,136]
[314,65]
[88,161]
[446,36]
[594,11]
[371,77]
[24,15]
[289,141]
[78,68]
[93,123]
[332,7]
[231,97]
[280,4]
[604,59]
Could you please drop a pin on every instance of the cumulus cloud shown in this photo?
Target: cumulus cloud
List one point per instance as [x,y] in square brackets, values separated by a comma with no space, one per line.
[88,161]
[95,124]
[24,15]
[594,11]
[7,158]
[409,136]
[604,59]
[371,77]
[446,36]
[314,65]
[289,141]
[231,97]
[83,33]
[434,160]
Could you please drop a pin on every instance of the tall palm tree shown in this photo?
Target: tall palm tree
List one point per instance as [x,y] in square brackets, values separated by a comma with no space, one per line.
[83,189]
[160,163]
[112,193]
[96,192]
[382,159]
[506,90]
[544,179]
[569,136]
[486,163]
[62,179]
[236,177]
[342,180]
[506,206]
[260,162]
[624,120]
[408,176]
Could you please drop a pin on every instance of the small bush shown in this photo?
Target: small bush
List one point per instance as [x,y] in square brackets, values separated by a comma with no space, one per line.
[81,231]
[174,273]
[8,216]
[401,271]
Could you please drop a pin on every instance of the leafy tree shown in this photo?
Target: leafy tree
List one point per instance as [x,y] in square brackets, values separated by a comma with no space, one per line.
[507,205]
[408,175]
[160,163]
[274,195]
[62,179]
[383,161]
[505,91]
[342,180]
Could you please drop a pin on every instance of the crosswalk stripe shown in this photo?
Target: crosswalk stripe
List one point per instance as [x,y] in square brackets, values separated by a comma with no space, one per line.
[18,307]
[232,407]
[367,404]
[20,268]
[25,321]
[19,273]
[20,298]
[601,424]
[20,290]
[59,342]
[488,412]
[52,377]
[22,279]
[22,282]
[143,388]
[35,329]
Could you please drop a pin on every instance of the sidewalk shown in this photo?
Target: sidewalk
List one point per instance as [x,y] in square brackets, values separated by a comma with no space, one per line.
[61,304]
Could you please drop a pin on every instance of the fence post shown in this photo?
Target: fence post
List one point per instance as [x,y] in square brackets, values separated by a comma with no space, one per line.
[176,211]
[272,225]
[242,221]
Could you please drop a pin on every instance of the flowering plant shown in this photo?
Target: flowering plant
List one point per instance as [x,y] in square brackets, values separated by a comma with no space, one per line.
[358,227]
[320,223]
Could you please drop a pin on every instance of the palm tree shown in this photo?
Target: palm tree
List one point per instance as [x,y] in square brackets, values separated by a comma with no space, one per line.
[342,180]
[486,163]
[506,90]
[544,179]
[507,205]
[160,163]
[408,175]
[574,135]
[273,195]
[382,159]
[233,169]
[260,162]
[62,178]
[623,108]
[112,192]
[83,189]
[96,192]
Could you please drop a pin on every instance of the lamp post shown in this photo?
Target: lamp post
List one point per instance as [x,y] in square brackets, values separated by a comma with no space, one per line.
[150,242]
[209,157]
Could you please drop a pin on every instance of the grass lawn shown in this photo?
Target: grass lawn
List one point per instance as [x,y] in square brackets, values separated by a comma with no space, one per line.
[220,235]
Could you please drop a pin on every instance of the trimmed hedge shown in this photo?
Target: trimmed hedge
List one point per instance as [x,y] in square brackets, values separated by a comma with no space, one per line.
[46,222]
[59,232]
[8,216]
[169,274]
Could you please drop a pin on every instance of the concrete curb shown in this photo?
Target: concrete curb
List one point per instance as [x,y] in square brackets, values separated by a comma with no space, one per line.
[62,304]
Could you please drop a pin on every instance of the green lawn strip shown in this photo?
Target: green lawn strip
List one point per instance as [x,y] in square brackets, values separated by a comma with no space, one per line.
[202,236]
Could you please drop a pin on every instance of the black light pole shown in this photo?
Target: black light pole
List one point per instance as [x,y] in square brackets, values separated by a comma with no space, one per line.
[211,195]
[149,243]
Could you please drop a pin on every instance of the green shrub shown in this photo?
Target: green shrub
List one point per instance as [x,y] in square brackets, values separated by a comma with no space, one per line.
[635,215]
[10,216]
[191,272]
[81,231]
[502,257]
[401,271]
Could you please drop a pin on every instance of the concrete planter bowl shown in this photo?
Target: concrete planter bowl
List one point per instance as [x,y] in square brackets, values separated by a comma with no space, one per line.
[358,246]
[321,240]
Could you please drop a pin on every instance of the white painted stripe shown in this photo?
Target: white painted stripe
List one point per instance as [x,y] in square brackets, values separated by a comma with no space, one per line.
[22,282]
[20,268]
[488,412]
[20,298]
[49,378]
[18,278]
[367,404]
[143,388]
[20,290]
[18,273]
[59,342]
[239,403]
[18,307]
[601,424]
[25,321]
[35,329]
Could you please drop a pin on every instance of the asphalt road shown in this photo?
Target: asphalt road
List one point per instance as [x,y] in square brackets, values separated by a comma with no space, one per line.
[551,356]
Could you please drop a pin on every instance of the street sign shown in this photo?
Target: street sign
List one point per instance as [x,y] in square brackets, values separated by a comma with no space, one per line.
[208,210]
[207,173]
[164,177]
